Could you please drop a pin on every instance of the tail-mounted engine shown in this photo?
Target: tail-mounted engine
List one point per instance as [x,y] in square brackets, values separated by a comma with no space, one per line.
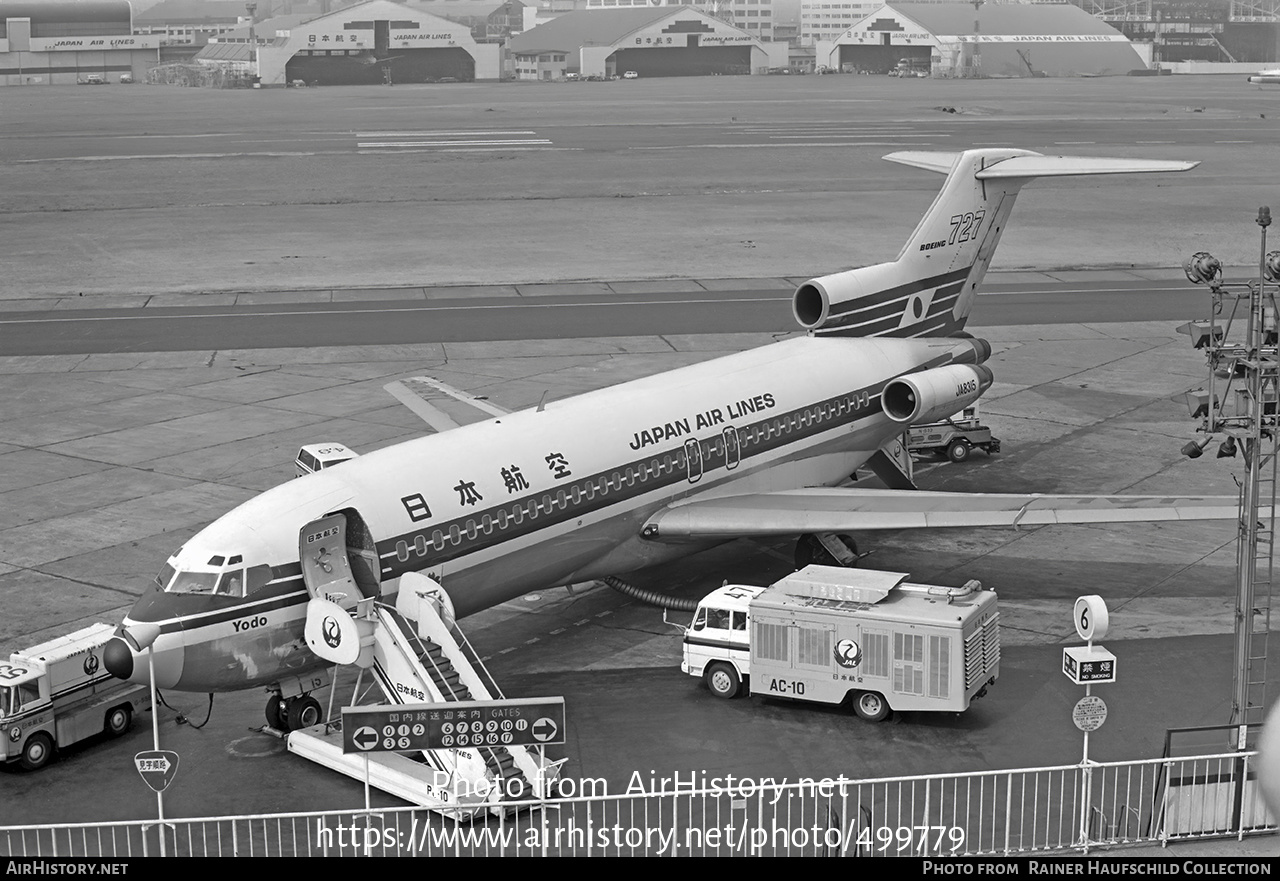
[933,395]
[829,303]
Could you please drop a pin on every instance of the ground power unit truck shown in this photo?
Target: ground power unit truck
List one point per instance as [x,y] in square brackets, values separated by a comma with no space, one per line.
[58,693]
[830,634]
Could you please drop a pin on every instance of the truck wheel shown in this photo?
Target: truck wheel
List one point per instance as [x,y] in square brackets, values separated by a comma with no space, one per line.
[275,712]
[37,751]
[870,706]
[958,451]
[118,720]
[303,712]
[723,680]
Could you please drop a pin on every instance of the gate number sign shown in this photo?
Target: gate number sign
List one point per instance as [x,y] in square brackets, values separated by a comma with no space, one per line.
[453,725]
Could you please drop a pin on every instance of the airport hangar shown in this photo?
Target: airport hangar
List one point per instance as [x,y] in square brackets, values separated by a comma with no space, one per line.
[654,42]
[356,45]
[60,42]
[1005,40]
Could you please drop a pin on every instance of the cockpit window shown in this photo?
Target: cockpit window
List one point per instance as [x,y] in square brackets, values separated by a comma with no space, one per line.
[194,582]
[165,576]
[231,584]
[258,577]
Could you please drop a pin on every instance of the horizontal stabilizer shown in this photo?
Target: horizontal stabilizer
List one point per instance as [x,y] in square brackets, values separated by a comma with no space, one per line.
[930,160]
[845,509]
[1059,166]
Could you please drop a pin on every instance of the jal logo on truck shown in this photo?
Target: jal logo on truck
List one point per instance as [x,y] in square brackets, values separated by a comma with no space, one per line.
[848,654]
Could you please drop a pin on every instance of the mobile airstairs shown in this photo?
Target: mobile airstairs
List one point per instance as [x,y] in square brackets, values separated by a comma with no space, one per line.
[417,654]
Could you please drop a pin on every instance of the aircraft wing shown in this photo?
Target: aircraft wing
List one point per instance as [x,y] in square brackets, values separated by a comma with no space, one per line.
[849,509]
[441,405]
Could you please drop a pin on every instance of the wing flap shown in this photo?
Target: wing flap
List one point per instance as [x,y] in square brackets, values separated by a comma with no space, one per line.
[850,509]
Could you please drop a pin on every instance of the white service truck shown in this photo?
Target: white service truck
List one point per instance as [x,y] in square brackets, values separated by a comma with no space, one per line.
[58,693]
[830,634]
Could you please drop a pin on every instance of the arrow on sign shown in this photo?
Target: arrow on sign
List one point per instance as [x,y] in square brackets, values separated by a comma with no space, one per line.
[544,729]
[158,767]
[365,738]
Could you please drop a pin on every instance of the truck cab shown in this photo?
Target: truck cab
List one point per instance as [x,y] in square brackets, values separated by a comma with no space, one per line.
[716,645]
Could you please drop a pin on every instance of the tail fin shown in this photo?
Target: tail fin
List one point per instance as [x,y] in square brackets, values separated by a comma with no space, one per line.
[929,289]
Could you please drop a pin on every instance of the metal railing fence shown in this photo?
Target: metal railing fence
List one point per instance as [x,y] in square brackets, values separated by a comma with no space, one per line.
[1062,809]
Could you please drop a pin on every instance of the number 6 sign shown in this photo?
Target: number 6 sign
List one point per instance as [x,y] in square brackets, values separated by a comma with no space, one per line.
[1091,617]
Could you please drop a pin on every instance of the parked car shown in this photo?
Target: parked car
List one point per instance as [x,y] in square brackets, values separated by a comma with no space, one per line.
[631,75]
[95,79]
[126,78]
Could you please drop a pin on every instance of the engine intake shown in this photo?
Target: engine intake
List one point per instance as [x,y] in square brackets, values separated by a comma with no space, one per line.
[832,301]
[935,394]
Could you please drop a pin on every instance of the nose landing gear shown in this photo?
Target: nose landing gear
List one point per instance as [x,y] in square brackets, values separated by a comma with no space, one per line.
[290,714]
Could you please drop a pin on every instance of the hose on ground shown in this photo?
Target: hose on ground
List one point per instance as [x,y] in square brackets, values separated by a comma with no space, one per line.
[652,597]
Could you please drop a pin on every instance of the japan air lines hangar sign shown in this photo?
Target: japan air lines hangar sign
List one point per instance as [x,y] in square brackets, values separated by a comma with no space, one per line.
[81,44]
[695,29]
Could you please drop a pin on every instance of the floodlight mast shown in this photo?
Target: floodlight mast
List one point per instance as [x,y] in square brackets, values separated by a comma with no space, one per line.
[1248,418]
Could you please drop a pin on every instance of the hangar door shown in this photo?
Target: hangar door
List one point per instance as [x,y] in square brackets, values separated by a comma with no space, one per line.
[342,67]
[691,60]
[882,58]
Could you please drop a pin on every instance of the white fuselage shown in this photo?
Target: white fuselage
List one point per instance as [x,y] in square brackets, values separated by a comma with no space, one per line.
[545,496]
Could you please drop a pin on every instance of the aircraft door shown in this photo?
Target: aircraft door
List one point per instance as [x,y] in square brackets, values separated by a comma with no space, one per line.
[322,546]
[693,454]
[732,449]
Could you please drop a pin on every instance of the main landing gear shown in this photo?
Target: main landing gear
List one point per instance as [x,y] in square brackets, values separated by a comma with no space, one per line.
[826,549]
[291,713]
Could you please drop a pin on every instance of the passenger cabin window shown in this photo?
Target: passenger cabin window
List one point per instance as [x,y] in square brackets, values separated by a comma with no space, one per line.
[718,619]
[740,621]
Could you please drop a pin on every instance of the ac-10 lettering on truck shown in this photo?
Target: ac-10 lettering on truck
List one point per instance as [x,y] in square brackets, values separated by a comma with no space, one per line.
[829,635]
[59,693]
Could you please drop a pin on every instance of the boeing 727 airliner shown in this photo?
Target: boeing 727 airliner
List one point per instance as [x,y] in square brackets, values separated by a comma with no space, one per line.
[758,443]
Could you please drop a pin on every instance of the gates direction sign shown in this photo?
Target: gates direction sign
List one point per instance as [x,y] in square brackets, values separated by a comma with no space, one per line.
[453,725]
[158,767]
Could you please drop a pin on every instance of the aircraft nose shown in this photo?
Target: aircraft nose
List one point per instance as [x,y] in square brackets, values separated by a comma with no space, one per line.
[117,657]
[148,635]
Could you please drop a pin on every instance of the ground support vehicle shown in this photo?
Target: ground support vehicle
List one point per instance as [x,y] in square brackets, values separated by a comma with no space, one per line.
[954,438]
[829,634]
[59,693]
